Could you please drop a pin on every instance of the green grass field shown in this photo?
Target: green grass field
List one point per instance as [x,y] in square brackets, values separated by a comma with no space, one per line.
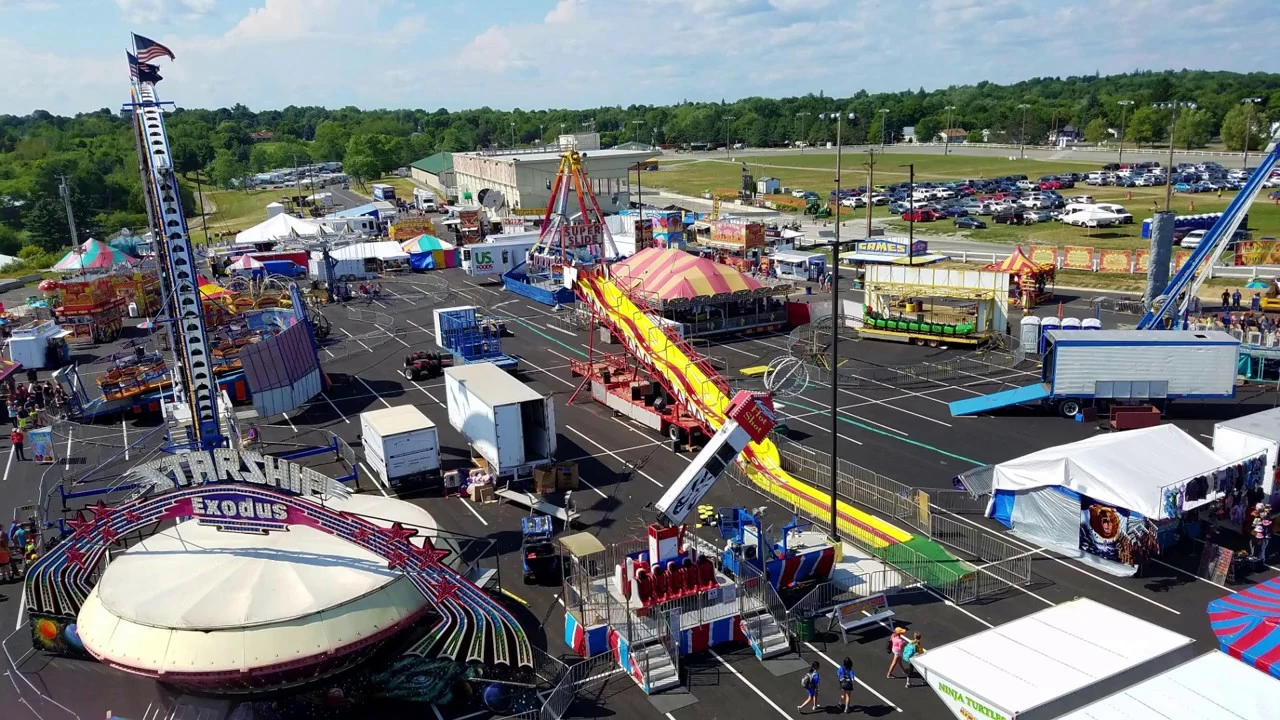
[816,172]
[231,211]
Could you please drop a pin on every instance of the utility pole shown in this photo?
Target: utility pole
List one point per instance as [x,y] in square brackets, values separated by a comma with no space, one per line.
[871,179]
[635,134]
[836,323]
[1124,105]
[946,149]
[911,216]
[204,222]
[1248,126]
[65,192]
[1022,136]
[802,129]
[727,120]
[513,134]
[884,123]
[1172,107]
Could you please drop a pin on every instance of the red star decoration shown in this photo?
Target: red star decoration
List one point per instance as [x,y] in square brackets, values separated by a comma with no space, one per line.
[131,517]
[101,512]
[81,526]
[108,535]
[361,534]
[75,556]
[396,559]
[427,556]
[397,533]
[445,590]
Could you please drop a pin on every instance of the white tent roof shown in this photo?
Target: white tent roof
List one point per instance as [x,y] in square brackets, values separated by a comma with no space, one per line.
[381,249]
[1214,686]
[276,228]
[1042,658]
[1126,469]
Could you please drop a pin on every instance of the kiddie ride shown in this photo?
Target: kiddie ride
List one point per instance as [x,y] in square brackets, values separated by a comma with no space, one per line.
[538,557]
[652,601]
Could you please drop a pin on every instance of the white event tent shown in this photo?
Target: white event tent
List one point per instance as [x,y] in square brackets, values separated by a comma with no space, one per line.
[276,228]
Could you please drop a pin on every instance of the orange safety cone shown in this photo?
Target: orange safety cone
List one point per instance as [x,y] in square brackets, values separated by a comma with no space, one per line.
[1193,206]
[1129,195]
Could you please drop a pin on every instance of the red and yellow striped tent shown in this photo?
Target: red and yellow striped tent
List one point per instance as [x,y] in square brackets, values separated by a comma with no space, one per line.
[1019,264]
[670,274]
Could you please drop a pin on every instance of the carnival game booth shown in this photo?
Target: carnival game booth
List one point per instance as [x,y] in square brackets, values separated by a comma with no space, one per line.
[736,242]
[428,252]
[1052,663]
[934,306]
[1112,501]
[1247,625]
[701,296]
[1030,283]
[89,308]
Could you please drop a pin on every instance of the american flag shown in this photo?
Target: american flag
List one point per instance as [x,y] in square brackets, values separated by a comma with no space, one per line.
[149,49]
[141,71]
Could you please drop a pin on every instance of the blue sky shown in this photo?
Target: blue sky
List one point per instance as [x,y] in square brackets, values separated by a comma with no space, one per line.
[578,53]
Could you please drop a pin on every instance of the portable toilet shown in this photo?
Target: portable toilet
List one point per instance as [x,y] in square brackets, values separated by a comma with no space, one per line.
[1071,323]
[1047,324]
[1030,332]
[1091,324]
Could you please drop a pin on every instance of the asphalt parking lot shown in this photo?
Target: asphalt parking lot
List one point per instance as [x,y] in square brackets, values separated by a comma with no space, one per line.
[904,433]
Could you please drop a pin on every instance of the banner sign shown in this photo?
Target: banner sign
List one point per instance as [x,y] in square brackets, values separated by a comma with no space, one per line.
[1142,261]
[896,248]
[1104,531]
[737,236]
[1077,258]
[754,412]
[1115,261]
[527,212]
[41,442]
[410,228]
[1044,255]
[581,235]
[469,219]
[1257,252]
[1180,258]
[966,706]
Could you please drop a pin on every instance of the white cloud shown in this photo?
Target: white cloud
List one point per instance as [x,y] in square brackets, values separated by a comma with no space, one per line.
[151,12]
[565,11]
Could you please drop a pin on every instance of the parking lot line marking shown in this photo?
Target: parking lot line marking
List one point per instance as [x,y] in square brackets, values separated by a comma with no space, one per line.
[548,373]
[353,337]
[124,430]
[856,679]
[951,604]
[393,337]
[473,510]
[372,391]
[9,463]
[908,440]
[1015,541]
[1194,576]
[436,710]
[613,455]
[66,463]
[823,427]
[545,336]
[377,482]
[746,682]
[335,408]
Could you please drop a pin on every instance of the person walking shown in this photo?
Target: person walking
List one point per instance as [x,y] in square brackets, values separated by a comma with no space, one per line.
[844,676]
[896,642]
[1226,299]
[909,653]
[810,683]
[16,437]
[1235,300]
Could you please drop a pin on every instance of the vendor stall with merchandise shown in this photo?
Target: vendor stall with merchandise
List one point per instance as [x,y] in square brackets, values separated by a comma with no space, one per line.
[1030,283]
[1107,499]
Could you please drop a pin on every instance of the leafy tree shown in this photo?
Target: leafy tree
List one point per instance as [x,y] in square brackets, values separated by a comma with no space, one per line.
[10,240]
[226,168]
[975,136]
[1233,128]
[362,166]
[1097,131]
[46,222]
[875,130]
[330,142]
[927,129]
[1194,129]
[1145,126]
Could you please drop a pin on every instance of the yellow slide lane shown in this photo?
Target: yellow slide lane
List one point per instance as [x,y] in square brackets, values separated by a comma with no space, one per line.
[763,464]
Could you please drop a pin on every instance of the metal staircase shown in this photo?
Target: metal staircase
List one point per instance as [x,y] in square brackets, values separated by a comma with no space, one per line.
[657,670]
[767,636]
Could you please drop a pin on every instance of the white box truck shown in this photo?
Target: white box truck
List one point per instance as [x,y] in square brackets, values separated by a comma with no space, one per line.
[1248,436]
[401,445]
[507,423]
[498,256]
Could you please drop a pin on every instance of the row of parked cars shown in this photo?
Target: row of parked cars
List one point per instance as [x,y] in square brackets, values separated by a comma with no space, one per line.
[1017,209]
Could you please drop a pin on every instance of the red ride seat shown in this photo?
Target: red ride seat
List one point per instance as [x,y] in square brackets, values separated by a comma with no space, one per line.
[659,585]
[644,586]
[706,573]
[675,581]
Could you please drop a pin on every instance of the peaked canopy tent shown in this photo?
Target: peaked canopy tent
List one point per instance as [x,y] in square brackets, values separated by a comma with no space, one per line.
[1091,498]
[93,255]
[277,228]
[245,263]
[1028,280]
[1247,625]
[428,252]
[670,274]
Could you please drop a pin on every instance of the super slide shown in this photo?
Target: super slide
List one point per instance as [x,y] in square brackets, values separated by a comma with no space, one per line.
[693,381]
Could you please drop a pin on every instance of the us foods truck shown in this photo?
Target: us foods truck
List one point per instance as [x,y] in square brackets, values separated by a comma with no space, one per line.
[499,256]
[1083,368]
[508,424]
[384,192]
[401,445]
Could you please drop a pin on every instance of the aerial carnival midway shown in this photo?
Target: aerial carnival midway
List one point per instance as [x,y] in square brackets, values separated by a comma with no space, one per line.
[205,479]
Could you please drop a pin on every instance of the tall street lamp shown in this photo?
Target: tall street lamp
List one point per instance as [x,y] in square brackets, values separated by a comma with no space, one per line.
[1022,135]
[1248,126]
[727,120]
[836,322]
[884,123]
[800,140]
[1124,105]
[1173,108]
[946,149]
[635,134]
[513,134]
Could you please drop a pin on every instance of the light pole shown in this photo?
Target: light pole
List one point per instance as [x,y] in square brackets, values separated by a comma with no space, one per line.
[513,134]
[836,322]
[1124,105]
[884,123]
[1248,127]
[1022,135]
[727,120]
[946,149]
[911,216]
[802,129]
[1172,107]
[635,135]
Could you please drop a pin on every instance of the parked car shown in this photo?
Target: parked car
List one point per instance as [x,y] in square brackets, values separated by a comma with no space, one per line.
[797,193]
[1081,199]
[970,223]
[1183,188]
[1008,217]
[1192,239]
[921,216]
[1035,216]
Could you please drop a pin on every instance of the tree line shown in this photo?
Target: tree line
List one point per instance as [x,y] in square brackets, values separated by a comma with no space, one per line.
[95,151]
